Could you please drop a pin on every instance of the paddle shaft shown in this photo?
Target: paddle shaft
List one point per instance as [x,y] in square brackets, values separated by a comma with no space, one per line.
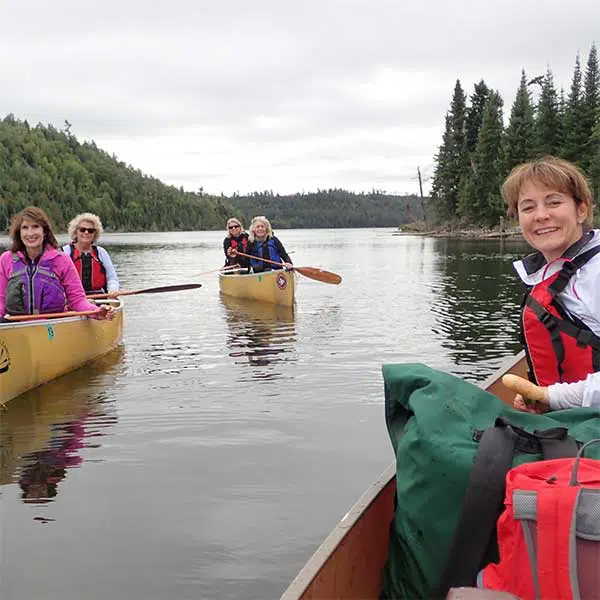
[154,290]
[310,272]
[62,315]
[272,262]
[526,388]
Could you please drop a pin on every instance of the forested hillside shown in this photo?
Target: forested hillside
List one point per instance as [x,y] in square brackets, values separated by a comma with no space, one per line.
[331,208]
[478,150]
[45,167]
[50,168]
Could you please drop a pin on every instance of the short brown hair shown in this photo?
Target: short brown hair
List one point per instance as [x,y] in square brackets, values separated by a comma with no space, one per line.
[37,215]
[553,173]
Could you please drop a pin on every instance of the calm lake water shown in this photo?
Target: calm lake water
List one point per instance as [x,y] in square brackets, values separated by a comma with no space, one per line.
[209,456]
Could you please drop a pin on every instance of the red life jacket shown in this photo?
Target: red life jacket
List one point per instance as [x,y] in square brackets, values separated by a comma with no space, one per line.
[559,347]
[90,269]
[549,532]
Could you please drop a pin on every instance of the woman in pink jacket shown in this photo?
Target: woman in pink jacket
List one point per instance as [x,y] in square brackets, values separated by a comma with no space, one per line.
[35,277]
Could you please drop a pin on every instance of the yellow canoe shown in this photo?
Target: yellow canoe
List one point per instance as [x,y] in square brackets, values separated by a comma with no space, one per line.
[35,352]
[276,287]
[348,563]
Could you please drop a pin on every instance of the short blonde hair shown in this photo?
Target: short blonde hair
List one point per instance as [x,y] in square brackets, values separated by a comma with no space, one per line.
[79,219]
[236,222]
[553,173]
[265,222]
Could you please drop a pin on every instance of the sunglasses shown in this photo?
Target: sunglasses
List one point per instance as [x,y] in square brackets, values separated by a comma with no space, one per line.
[235,227]
[87,230]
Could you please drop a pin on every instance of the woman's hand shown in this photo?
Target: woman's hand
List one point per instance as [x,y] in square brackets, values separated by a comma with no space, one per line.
[114,294]
[287,265]
[106,312]
[231,252]
[519,403]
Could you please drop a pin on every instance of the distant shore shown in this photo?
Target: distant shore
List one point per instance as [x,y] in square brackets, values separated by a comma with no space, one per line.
[456,232]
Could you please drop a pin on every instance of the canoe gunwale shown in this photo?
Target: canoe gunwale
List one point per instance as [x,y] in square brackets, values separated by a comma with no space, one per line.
[299,588]
[331,543]
[37,322]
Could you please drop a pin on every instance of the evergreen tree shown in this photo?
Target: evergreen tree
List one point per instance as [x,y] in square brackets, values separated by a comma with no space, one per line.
[519,137]
[548,125]
[481,201]
[475,114]
[575,136]
[440,179]
[590,107]
[451,159]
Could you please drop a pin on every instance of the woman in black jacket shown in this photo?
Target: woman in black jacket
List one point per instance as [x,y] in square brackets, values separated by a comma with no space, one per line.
[236,239]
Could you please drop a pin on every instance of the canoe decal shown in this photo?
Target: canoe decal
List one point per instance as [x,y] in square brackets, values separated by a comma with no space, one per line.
[281,281]
[50,329]
[4,358]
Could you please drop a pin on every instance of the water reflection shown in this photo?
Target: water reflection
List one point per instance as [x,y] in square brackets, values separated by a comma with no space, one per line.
[264,334]
[477,303]
[43,431]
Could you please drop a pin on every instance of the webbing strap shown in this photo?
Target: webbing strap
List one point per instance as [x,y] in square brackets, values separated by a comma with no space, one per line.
[557,569]
[482,504]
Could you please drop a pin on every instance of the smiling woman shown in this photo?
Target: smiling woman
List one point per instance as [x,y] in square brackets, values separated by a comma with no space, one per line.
[35,277]
[93,263]
[560,317]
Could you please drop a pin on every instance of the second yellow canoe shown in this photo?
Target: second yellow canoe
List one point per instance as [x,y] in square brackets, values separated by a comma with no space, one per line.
[276,287]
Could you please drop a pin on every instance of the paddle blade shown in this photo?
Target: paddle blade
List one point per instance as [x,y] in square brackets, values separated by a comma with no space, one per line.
[319,275]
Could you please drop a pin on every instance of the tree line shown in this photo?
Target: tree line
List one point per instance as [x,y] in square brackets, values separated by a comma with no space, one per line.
[477,151]
[43,166]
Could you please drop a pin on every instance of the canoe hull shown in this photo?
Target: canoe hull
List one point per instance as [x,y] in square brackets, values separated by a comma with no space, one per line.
[349,562]
[36,352]
[276,287]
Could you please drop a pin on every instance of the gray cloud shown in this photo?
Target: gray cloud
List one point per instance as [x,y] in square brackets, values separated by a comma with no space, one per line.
[160,83]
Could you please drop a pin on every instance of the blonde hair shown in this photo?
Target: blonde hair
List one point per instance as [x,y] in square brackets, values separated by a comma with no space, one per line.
[265,222]
[79,219]
[553,173]
[236,222]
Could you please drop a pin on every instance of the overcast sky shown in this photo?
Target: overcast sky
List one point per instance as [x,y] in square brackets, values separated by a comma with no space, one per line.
[244,95]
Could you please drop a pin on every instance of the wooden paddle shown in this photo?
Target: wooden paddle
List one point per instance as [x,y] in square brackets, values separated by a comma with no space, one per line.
[154,290]
[310,272]
[62,315]
[526,388]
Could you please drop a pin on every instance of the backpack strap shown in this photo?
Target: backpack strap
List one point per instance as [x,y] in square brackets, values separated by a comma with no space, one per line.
[557,562]
[482,504]
[483,501]
[556,443]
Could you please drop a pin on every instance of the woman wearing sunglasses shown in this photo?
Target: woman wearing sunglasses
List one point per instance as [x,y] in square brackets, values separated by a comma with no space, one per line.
[35,278]
[236,239]
[93,263]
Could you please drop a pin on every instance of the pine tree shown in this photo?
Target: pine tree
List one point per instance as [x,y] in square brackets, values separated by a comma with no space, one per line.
[590,106]
[575,137]
[451,159]
[475,114]
[519,138]
[481,199]
[548,125]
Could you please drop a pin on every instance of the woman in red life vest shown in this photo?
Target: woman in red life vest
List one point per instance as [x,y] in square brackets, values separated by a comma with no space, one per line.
[560,317]
[236,239]
[93,263]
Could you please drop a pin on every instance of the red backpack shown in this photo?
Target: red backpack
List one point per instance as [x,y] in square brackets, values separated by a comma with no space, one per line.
[549,532]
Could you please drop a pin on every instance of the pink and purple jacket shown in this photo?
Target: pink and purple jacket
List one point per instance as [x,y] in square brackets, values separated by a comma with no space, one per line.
[64,269]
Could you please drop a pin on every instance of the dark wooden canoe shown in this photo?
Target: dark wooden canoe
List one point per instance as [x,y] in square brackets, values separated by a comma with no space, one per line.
[348,563]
